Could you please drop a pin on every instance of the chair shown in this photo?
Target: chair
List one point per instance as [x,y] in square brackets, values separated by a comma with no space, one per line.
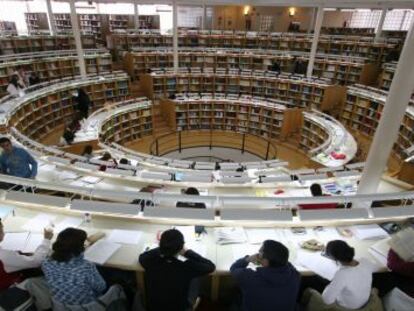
[397,300]
[113,300]
[313,301]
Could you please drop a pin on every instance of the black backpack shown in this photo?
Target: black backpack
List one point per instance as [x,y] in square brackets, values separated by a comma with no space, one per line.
[16,299]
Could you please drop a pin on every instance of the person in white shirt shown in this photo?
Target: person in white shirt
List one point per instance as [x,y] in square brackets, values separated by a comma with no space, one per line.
[11,262]
[351,285]
[15,88]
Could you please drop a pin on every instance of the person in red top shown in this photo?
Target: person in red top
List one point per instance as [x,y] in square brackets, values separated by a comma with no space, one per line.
[404,269]
[316,191]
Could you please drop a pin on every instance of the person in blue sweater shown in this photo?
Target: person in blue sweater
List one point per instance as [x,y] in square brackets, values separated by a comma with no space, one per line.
[16,161]
[274,285]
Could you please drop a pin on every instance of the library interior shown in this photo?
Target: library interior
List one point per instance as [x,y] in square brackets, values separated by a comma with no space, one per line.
[175,155]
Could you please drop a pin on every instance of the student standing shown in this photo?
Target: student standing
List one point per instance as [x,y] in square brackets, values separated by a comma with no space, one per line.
[84,103]
[168,278]
[16,161]
[274,285]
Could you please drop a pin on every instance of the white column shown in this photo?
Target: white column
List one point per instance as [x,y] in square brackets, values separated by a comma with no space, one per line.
[78,41]
[312,20]
[204,17]
[395,107]
[380,25]
[50,20]
[403,19]
[136,15]
[175,35]
[318,26]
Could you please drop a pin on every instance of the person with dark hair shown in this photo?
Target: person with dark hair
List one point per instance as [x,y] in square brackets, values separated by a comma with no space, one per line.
[316,191]
[167,279]
[87,152]
[275,67]
[124,161]
[274,285]
[14,88]
[107,158]
[16,161]
[191,191]
[12,263]
[84,103]
[34,78]
[350,288]
[72,280]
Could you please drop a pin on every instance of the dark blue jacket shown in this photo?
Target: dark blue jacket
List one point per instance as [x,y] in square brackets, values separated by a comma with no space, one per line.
[267,289]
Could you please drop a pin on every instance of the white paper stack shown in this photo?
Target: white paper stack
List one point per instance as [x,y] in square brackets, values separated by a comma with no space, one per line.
[15,241]
[33,242]
[125,236]
[229,235]
[403,244]
[101,251]
[317,263]
[39,222]
[257,236]
[68,222]
[379,251]
[369,232]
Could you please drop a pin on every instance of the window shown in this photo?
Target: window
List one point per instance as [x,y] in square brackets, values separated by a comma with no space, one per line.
[191,17]
[365,19]
[394,20]
[265,23]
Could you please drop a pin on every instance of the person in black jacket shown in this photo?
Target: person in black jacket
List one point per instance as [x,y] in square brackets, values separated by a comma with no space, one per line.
[167,278]
[83,103]
[274,285]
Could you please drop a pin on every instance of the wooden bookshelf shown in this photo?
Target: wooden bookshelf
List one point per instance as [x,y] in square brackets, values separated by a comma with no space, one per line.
[120,22]
[297,92]
[312,135]
[53,65]
[8,28]
[339,70]
[36,22]
[362,112]
[348,31]
[39,43]
[53,106]
[341,45]
[387,74]
[63,23]
[91,24]
[257,117]
[128,125]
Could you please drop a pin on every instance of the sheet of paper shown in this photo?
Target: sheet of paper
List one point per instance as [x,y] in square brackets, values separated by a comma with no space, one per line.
[39,222]
[317,263]
[228,235]
[91,179]
[257,236]
[68,222]
[34,240]
[297,238]
[379,251]
[241,250]
[68,175]
[15,241]
[369,232]
[328,233]
[101,251]
[199,247]
[125,236]
[188,233]
[5,210]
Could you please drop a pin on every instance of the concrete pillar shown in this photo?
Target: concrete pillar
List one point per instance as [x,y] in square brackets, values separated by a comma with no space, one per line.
[387,131]
[316,33]
[78,40]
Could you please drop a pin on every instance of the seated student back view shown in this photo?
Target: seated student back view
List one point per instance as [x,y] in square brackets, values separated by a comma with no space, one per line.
[191,191]
[167,278]
[316,191]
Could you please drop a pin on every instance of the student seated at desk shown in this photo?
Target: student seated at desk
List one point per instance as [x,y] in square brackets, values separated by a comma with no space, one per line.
[87,152]
[72,280]
[16,161]
[316,191]
[169,280]
[350,287]
[273,286]
[191,191]
[12,263]
[107,157]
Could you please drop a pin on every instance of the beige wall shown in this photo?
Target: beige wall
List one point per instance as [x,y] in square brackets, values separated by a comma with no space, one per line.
[232,17]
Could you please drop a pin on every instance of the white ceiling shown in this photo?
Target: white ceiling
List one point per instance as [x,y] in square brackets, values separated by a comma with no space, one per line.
[304,3]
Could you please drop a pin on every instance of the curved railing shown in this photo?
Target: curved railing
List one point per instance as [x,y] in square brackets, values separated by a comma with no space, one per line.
[179,140]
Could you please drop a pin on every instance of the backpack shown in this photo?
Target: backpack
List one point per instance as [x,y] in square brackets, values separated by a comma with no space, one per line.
[16,299]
